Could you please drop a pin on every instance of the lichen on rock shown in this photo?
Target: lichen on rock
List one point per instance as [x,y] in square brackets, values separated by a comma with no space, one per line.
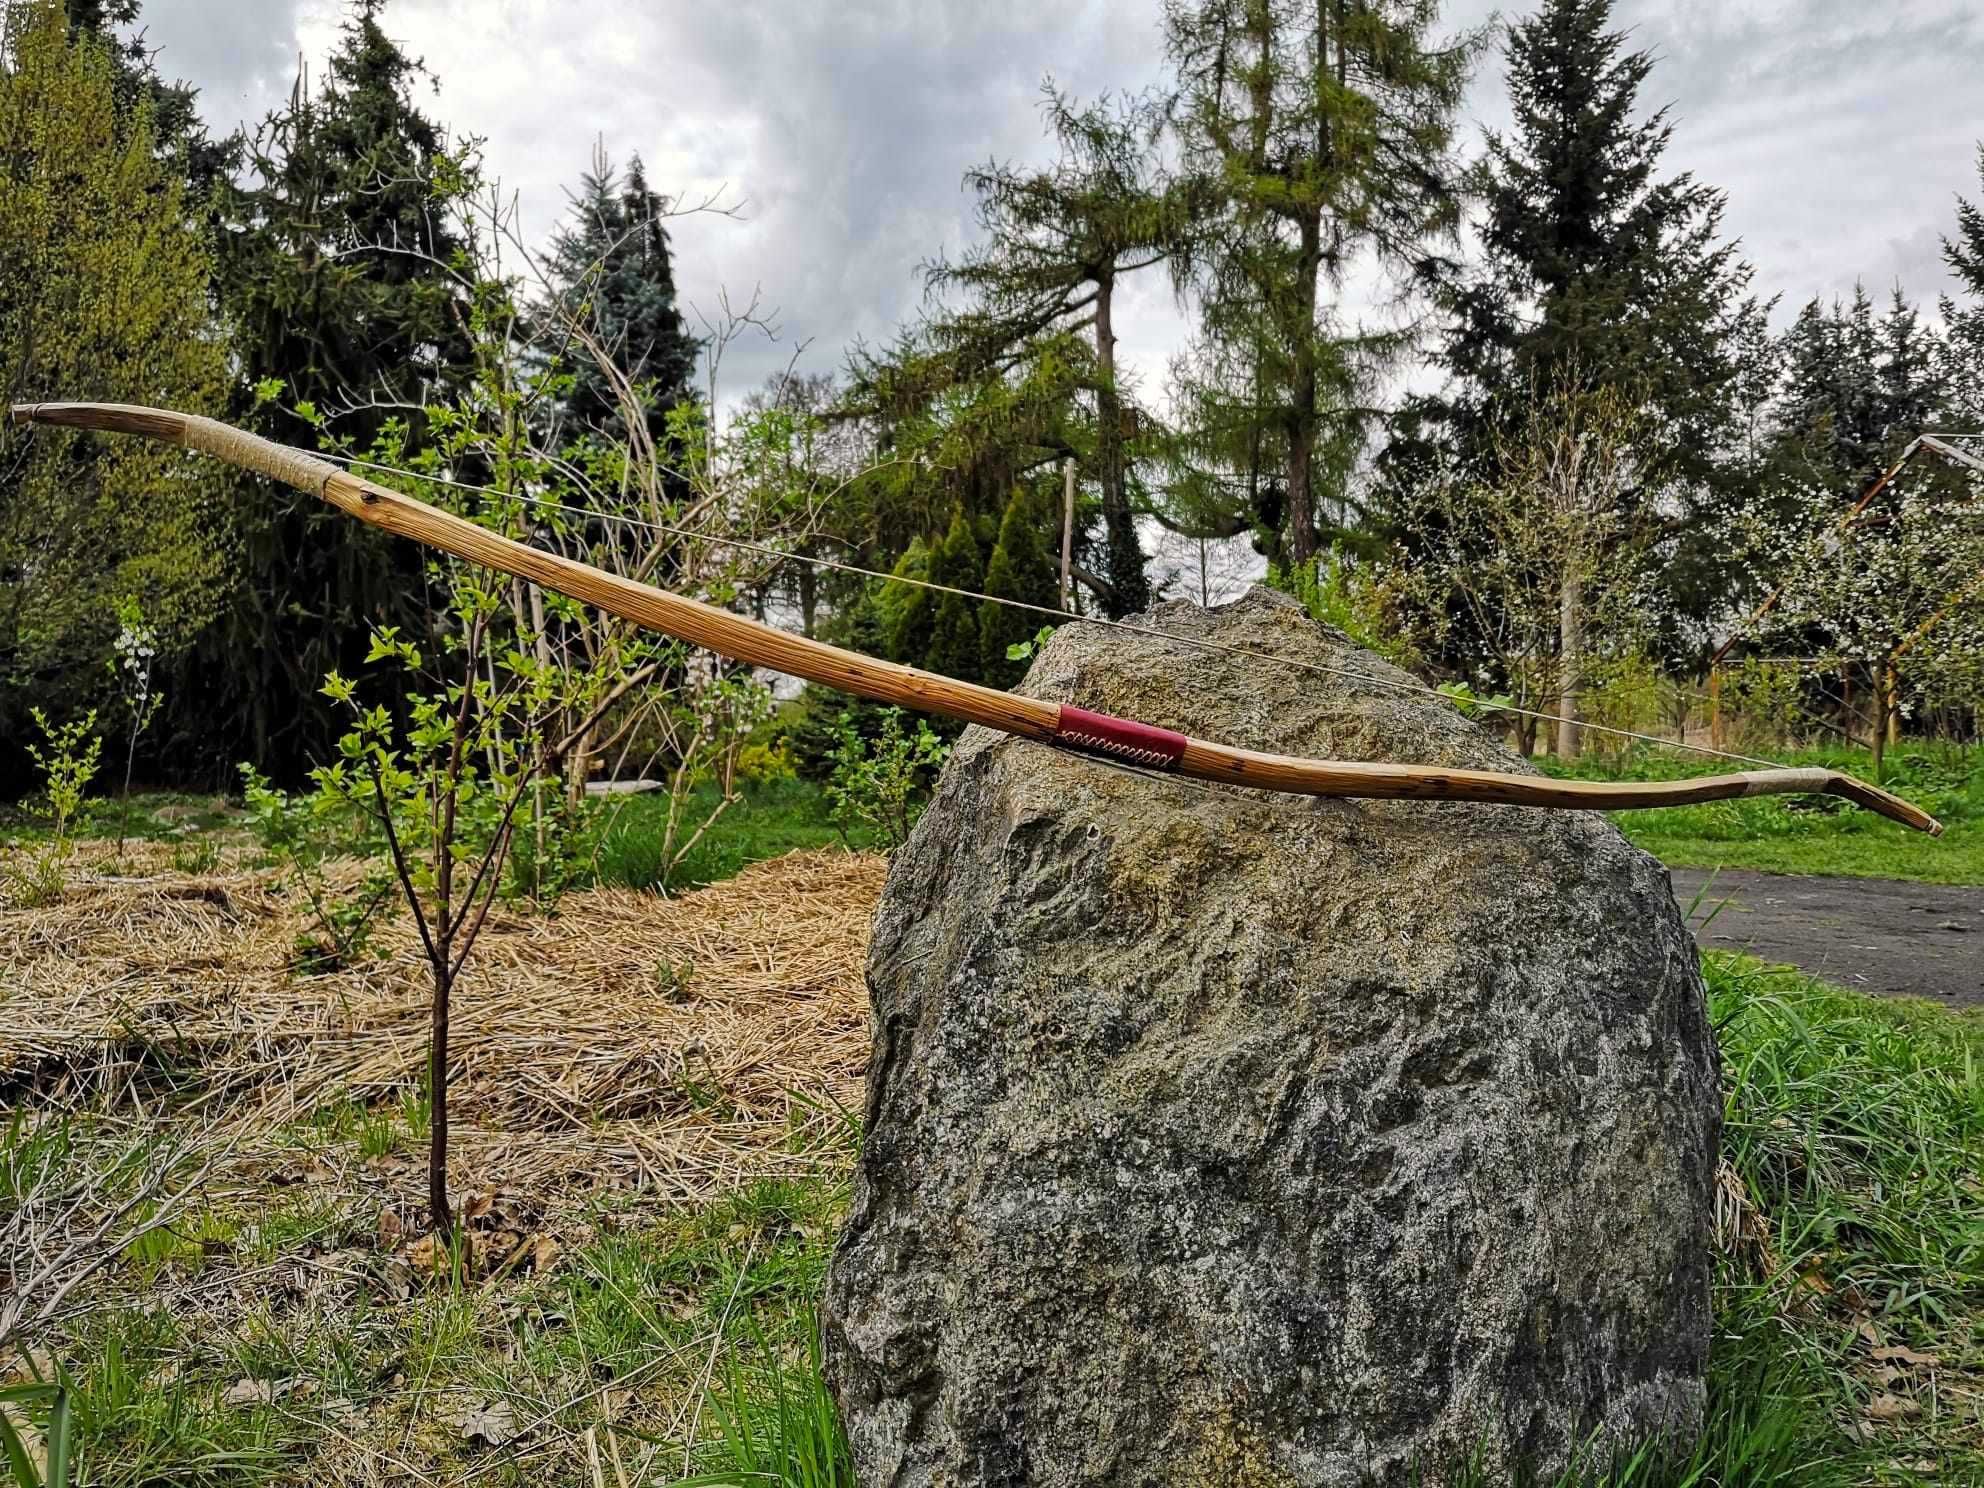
[1223,1137]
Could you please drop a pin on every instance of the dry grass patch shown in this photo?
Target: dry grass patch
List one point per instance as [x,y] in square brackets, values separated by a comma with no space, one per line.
[676,1046]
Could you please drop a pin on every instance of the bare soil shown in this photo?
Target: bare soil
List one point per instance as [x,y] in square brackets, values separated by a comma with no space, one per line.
[1880,935]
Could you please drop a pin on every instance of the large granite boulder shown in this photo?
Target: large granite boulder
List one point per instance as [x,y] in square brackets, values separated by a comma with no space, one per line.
[1219,1137]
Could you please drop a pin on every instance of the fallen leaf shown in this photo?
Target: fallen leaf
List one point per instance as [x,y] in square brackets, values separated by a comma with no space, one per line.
[392,1229]
[492,1424]
[1886,1407]
[544,1253]
[433,1255]
[1902,1354]
[36,1366]
[249,1392]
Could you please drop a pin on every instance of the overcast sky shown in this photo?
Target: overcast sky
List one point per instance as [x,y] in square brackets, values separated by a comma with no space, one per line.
[1840,129]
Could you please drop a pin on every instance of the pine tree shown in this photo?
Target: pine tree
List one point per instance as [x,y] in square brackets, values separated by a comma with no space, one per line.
[611,267]
[1317,133]
[1594,263]
[338,278]
[105,297]
[954,619]
[1019,570]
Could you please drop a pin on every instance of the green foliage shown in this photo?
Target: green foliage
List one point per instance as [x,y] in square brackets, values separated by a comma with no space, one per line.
[105,297]
[882,784]
[1758,699]
[50,1467]
[1024,651]
[303,833]
[1311,136]
[1594,263]
[777,1425]
[349,300]
[1055,246]
[1019,571]
[67,761]
[1352,597]
[904,612]
[1623,691]
[954,650]
[611,270]
[765,764]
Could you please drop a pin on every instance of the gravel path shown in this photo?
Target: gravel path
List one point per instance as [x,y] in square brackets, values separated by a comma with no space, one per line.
[1877,934]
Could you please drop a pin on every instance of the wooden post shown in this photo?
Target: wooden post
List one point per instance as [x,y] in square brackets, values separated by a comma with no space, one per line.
[1067,528]
[1714,708]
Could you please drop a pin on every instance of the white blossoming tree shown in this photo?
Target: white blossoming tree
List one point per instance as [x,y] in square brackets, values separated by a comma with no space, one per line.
[1895,597]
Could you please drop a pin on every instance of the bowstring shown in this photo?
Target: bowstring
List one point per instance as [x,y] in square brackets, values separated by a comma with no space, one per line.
[1061,616]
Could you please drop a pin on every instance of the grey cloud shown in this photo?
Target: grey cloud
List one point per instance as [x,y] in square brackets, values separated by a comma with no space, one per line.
[1840,130]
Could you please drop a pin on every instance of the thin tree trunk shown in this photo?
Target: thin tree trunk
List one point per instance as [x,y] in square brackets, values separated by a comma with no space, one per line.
[1303,413]
[1067,530]
[1570,652]
[1877,733]
[1130,588]
[438,1207]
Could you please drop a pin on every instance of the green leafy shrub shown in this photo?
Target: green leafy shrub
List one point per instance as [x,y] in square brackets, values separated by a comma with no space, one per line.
[301,833]
[883,783]
[67,758]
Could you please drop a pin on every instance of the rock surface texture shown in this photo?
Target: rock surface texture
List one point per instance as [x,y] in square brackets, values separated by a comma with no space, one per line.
[1216,1137]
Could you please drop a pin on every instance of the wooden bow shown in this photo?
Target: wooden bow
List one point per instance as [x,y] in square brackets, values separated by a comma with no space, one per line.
[1058,724]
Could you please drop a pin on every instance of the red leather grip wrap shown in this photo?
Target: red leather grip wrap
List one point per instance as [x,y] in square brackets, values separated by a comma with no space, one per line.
[1119,738]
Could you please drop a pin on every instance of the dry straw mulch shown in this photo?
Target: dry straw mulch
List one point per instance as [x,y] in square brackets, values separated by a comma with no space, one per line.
[676,1046]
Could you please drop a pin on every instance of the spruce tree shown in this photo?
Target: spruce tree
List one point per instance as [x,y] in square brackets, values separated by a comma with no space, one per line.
[1019,569]
[338,277]
[1961,359]
[1594,262]
[612,269]
[1857,387]
[105,297]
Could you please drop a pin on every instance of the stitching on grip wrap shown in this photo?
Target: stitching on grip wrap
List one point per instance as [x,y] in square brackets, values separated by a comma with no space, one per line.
[1119,738]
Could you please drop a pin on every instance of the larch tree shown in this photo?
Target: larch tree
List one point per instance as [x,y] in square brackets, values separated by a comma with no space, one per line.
[105,297]
[1317,137]
[1057,245]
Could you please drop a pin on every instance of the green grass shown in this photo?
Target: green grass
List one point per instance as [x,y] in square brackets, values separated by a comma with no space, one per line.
[1813,834]
[155,816]
[779,816]
[1857,1127]
[686,1340]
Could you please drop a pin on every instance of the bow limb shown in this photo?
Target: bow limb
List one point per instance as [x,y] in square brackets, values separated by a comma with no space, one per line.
[1063,725]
